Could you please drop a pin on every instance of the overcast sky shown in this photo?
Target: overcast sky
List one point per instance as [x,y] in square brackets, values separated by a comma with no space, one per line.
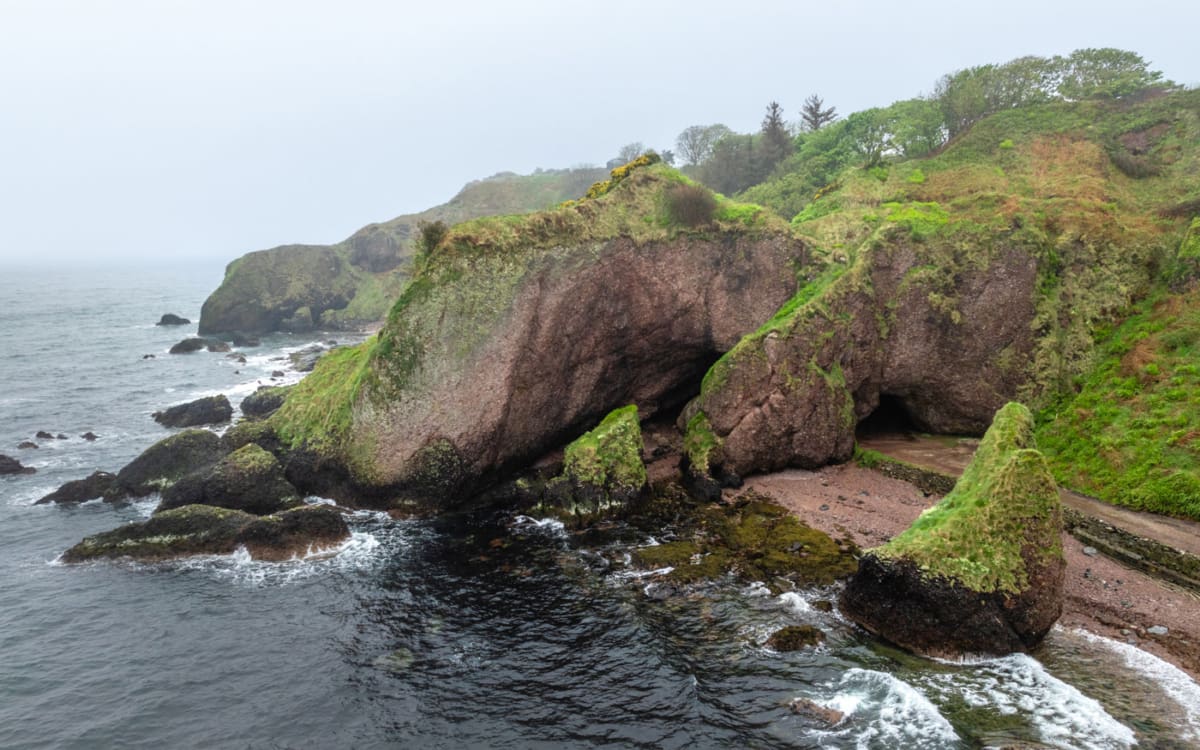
[208,128]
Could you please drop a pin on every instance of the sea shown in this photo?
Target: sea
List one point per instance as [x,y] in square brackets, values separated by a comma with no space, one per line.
[482,629]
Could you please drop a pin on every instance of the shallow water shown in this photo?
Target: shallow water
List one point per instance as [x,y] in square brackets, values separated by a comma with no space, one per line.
[471,630]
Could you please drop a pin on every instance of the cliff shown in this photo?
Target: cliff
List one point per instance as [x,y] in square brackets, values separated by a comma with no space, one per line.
[353,283]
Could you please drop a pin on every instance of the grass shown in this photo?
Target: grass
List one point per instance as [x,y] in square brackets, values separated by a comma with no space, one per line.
[1004,507]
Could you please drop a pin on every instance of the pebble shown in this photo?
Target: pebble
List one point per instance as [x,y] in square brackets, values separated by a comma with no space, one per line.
[1156,630]
[823,507]
[1090,551]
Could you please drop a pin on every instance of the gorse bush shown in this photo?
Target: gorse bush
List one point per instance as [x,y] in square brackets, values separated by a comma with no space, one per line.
[690,205]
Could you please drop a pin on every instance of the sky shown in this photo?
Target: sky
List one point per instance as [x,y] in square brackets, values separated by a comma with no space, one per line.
[199,130]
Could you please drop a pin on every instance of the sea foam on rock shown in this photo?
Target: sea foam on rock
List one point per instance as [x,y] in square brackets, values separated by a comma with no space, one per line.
[982,571]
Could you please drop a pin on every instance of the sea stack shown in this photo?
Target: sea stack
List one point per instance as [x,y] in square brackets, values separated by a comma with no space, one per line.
[982,571]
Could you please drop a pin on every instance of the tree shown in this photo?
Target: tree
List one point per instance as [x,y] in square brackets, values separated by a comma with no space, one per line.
[814,115]
[1106,73]
[731,166]
[695,144]
[870,134]
[631,151]
[776,141]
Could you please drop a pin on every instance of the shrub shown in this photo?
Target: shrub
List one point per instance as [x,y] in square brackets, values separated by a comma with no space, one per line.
[1133,166]
[691,205]
[432,234]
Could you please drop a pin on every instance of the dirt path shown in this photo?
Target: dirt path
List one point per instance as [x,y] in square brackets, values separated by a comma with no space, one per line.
[949,455]
[1100,595]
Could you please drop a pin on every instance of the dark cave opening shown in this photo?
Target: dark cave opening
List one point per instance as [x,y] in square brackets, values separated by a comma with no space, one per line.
[891,417]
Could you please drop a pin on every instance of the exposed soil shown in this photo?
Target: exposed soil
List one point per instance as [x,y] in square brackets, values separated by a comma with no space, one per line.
[1101,595]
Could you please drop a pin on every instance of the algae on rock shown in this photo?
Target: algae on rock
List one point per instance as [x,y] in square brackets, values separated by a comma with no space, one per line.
[603,468]
[980,572]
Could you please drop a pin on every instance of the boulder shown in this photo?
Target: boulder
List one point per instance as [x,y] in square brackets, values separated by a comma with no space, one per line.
[250,479]
[306,359]
[164,463]
[26,445]
[9,465]
[795,638]
[204,530]
[90,436]
[603,468]
[43,435]
[982,571]
[171,319]
[80,490]
[264,401]
[208,410]
[196,343]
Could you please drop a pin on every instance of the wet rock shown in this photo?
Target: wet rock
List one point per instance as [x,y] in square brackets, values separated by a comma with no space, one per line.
[277,373]
[9,465]
[823,715]
[603,468]
[208,410]
[982,571]
[149,356]
[164,463]
[81,490]
[43,435]
[90,436]
[795,637]
[171,319]
[62,436]
[1157,630]
[204,530]
[306,359]
[189,345]
[27,445]
[264,401]
[250,479]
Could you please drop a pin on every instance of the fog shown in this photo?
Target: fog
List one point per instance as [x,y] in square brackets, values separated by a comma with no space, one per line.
[173,129]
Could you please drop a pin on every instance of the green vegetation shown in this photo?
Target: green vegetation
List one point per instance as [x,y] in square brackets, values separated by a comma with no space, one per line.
[1003,508]
[610,456]
[1130,434]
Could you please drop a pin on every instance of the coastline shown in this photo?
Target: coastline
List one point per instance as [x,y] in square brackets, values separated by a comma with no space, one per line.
[1101,596]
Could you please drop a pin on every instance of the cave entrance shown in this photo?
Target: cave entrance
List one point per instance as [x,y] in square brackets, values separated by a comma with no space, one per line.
[891,417]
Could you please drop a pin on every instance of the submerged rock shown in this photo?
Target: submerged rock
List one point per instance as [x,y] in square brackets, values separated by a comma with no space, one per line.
[208,410]
[81,490]
[164,463]
[250,479]
[195,344]
[171,319]
[204,530]
[264,401]
[43,435]
[10,465]
[795,637]
[27,445]
[980,572]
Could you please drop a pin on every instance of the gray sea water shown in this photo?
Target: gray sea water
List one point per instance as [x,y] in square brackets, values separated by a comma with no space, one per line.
[478,630]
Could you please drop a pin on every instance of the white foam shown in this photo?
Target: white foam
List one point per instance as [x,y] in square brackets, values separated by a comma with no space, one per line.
[361,551]
[795,602]
[1178,686]
[1059,714]
[546,525]
[884,711]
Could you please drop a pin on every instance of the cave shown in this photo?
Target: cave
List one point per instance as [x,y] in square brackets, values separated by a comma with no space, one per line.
[890,417]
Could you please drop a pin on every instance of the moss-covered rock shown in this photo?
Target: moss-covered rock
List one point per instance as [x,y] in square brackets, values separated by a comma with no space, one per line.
[205,530]
[981,571]
[603,467]
[795,638]
[517,332]
[164,463]
[249,479]
[265,401]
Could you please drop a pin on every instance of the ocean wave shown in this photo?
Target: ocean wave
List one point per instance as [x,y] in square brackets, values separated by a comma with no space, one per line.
[883,711]
[362,551]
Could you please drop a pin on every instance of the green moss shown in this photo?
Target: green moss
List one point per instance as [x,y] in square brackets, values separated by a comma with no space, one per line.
[250,459]
[922,220]
[795,637]
[610,456]
[699,442]
[318,411]
[1005,504]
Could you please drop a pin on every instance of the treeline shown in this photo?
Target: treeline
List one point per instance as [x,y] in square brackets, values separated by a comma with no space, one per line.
[801,158]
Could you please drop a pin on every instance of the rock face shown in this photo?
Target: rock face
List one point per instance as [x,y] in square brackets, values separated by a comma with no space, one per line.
[250,479]
[164,463]
[80,490]
[264,402]
[792,393]
[982,571]
[208,410]
[203,530]
[9,465]
[516,338]
[171,319]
